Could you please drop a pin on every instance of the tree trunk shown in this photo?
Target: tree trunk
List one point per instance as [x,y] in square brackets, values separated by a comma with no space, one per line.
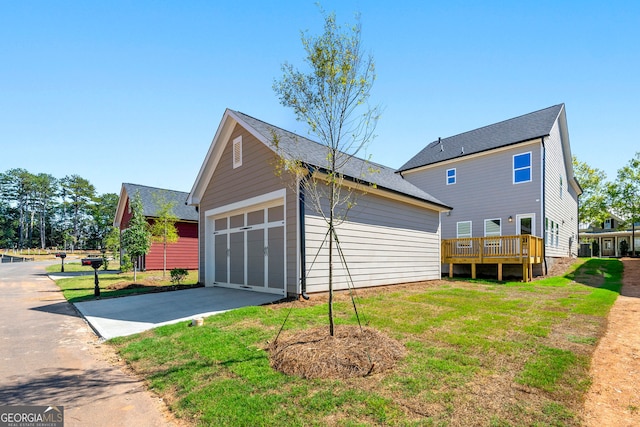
[331,212]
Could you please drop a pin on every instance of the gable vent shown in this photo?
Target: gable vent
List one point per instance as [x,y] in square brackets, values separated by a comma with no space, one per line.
[237,152]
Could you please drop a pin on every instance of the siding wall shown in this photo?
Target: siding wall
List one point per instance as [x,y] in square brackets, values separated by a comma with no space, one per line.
[484,189]
[254,178]
[384,242]
[182,254]
[561,210]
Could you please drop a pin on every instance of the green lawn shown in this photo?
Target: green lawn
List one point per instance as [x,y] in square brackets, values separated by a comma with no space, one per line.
[479,353]
[113,283]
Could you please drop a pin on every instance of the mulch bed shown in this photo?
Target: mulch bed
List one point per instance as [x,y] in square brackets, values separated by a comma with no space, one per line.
[351,352]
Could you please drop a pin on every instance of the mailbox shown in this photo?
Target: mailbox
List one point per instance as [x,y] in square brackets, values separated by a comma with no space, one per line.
[96,263]
[62,256]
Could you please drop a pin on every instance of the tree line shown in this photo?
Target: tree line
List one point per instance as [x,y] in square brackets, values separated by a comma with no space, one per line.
[601,197]
[42,211]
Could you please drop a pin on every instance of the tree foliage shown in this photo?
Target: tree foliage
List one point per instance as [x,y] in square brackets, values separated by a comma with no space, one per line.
[163,228]
[136,238]
[624,194]
[331,97]
[39,210]
[593,201]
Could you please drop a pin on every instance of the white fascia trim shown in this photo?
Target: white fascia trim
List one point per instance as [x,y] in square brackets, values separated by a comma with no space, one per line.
[367,189]
[472,156]
[243,204]
[212,158]
[122,203]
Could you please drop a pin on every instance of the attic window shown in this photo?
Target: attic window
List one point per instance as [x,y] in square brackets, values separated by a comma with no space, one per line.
[237,152]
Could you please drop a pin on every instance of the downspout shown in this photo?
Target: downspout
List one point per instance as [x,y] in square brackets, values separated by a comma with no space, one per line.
[303,252]
[544,210]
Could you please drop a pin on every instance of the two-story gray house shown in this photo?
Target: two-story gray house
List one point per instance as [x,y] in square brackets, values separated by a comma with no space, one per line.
[511,178]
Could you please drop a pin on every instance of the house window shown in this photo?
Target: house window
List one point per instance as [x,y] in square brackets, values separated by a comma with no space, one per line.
[237,152]
[607,224]
[557,234]
[522,168]
[451,176]
[463,230]
[492,228]
[548,226]
[561,187]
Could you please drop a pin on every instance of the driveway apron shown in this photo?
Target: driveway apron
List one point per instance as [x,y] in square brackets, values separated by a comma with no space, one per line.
[50,356]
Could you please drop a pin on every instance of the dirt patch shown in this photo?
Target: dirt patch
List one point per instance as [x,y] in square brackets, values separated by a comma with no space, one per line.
[351,352]
[614,396]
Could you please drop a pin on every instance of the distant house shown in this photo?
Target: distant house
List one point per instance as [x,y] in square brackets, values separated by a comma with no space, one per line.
[609,235]
[183,253]
[512,178]
[257,232]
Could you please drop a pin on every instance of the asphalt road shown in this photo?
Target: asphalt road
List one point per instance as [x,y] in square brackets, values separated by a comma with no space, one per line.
[49,356]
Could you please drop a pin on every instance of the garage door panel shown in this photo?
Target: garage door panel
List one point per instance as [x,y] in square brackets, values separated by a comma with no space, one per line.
[276,257]
[236,258]
[220,258]
[249,248]
[255,257]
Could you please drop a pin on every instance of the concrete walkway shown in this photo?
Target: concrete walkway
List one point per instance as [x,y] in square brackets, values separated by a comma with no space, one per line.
[116,317]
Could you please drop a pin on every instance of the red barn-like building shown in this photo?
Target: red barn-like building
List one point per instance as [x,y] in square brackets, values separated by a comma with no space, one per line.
[183,253]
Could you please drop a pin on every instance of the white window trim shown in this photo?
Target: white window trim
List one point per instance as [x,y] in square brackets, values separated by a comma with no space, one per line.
[237,152]
[454,176]
[491,243]
[533,223]
[463,236]
[514,169]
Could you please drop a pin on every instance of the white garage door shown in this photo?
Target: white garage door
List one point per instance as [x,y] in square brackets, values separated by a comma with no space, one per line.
[249,249]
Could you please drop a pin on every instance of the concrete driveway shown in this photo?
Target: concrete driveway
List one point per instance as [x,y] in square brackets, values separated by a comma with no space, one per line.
[116,317]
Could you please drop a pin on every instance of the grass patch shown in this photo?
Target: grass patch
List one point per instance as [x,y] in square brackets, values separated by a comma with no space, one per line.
[115,284]
[490,353]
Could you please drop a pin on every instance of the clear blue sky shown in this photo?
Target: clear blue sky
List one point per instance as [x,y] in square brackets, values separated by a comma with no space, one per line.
[133,91]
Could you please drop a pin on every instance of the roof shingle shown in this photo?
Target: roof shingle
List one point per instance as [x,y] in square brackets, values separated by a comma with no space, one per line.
[149,204]
[315,154]
[512,131]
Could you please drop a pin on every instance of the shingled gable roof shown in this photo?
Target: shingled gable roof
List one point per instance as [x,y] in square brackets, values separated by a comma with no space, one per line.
[149,205]
[315,155]
[513,131]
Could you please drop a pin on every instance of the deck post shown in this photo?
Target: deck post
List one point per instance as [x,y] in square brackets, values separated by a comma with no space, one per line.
[530,271]
[500,272]
[450,270]
[473,271]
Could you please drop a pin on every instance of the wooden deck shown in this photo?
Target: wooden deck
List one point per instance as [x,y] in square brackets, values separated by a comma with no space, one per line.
[525,249]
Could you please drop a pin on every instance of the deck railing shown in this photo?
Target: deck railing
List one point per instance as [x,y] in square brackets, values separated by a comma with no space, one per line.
[522,249]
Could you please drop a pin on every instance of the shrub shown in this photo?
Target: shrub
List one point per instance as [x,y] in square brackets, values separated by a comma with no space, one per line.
[624,247]
[178,275]
[125,263]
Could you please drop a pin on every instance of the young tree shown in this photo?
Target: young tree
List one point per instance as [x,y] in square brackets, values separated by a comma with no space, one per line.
[593,201]
[163,229]
[331,98]
[624,195]
[111,241]
[136,239]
